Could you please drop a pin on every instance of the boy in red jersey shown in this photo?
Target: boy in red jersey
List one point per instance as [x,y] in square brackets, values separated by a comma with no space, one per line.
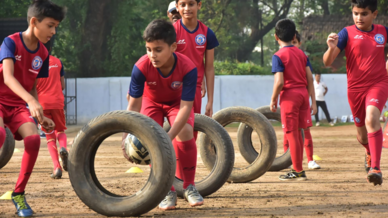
[197,42]
[23,58]
[292,75]
[52,100]
[364,45]
[163,84]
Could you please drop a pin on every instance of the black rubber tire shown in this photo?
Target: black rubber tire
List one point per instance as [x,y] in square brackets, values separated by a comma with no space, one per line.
[224,159]
[263,128]
[81,164]
[248,151]
[7,149]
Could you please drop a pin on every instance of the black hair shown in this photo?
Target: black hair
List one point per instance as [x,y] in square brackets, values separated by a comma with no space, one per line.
[371,4]
[297,35]
[41,9]
[49,45]
[198,1]
[285,29]
[160,29]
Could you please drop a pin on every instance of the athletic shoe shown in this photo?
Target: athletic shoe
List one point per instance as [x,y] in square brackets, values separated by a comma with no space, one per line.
[375,176]
[293,175]
[23,209]
[64,155]
[42,135]
[367,162]
[57,174]
[192,195]
[317,124]
[331,123]
[313,165]
[169,202]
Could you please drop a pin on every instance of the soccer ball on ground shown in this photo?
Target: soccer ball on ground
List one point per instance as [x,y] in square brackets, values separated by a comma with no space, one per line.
[136,151]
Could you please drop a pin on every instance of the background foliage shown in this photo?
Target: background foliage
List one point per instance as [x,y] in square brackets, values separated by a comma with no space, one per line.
[102,38]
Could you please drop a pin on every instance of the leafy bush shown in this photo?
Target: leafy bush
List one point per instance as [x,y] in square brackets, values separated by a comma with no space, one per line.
[230,68]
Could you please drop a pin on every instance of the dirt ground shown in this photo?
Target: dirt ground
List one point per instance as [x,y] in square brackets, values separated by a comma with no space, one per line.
[339,189]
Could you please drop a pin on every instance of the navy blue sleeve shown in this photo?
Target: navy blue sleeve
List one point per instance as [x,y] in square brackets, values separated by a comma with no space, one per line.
[7,49]
[212,41]
[44,71]
[386,28]
[309,64]
[136,88]
[189,85]
[62,70]
[277,64]
[342,39]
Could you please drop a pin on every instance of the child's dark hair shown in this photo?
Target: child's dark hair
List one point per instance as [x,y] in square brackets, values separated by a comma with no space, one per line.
[49,45]
[198,1]
[160,30]
[371,4]
[297,36]
[41,9]
[285,29]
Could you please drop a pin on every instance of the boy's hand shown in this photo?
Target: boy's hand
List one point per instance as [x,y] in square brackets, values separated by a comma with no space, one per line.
[36,110]
[332,40]
[314,109]
[47,123]
[209,110]
[203,90]
[274,105]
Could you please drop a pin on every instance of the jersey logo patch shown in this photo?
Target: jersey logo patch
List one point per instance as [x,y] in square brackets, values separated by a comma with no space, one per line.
[358,120]
[18,57]
[176,85]
[359,37]
[181,42]
[200,39]
[37,63]
[380,39]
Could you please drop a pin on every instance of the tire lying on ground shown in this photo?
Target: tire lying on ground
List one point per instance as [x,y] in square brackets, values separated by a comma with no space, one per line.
[83,176]
[7,149]
[263,128]
[249,152]
[223,159]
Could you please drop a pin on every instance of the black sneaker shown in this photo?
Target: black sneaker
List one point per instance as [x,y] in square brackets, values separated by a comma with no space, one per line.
[375,176]
[57,174]
[64,155]
[293,175]
[367,162]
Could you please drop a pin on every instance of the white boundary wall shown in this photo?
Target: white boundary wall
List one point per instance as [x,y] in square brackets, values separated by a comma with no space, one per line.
[96,96]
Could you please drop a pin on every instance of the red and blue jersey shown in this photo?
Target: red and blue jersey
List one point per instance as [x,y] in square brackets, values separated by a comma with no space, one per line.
[194,44]
[292,62]
[28,65]
[49,89]
[148,81]
[365,57]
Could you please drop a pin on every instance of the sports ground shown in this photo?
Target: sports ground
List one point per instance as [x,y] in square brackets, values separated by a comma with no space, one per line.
[339,189]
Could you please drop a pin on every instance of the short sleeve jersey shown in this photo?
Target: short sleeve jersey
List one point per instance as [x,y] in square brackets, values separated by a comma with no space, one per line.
[365,57]
[28,65]
[50,89]
[292,62]
[194,44]
[148,81]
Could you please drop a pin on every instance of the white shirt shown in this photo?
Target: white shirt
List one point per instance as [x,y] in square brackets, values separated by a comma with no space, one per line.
[319,90]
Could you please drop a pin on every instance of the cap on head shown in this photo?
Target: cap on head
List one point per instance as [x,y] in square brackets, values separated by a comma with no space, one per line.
[171,7]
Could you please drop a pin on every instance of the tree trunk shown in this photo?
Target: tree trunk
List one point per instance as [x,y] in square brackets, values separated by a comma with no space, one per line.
[245,50]
[94,36]
[301,10]
[325,7]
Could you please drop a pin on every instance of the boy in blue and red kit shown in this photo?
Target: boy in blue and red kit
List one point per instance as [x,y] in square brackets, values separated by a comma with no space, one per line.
[364,45]
[292,75]
[52,100]
[197,42]
[163,84]
[23,58]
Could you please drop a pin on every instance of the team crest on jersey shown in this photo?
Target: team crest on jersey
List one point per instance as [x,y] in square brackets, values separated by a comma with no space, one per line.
[176,85]
[380,39]
[37,63]
[200,39]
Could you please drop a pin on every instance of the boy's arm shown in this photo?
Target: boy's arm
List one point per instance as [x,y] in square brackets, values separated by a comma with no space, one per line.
[333,51]
[63,82]
[209,74]
[181,118]
[277,87]
[310,87]
[36,109]
[203,87]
